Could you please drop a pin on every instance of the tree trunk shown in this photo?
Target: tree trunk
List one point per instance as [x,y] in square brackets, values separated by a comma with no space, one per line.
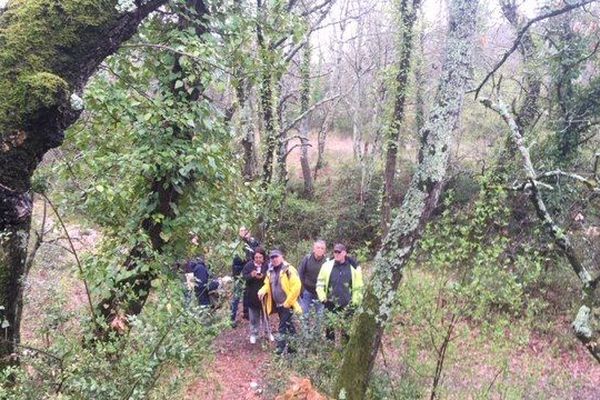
[408,15]
[265,93]
[64,46]
[419,90]
[421,199]
[129,295]
[266,102]
[248,142]
[305,123]
[326,125]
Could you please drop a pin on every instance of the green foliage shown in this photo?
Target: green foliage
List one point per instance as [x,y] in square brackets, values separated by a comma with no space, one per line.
[334,215]
[316,357]
[470,252]
[467,281]
[142,128]
[164,346]
[350,220]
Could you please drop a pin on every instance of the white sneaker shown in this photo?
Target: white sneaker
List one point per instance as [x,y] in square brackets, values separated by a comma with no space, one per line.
[252,339]
[271,337]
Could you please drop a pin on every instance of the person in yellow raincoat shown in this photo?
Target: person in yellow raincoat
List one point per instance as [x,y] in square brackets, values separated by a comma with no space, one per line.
[280,293]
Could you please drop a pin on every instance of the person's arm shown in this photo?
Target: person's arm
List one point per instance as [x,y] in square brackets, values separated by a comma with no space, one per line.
[302,269]
[357,287]
[247,271]
[321,278]
[295,287]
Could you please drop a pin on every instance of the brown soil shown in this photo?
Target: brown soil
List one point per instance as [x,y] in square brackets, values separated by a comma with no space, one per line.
[238,369]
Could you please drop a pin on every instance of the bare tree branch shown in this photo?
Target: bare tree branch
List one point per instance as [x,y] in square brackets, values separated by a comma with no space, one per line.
[300,117]
[523,30]
[74,252]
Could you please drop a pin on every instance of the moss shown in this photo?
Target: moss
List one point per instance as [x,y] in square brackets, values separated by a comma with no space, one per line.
[43,90]
[35,68]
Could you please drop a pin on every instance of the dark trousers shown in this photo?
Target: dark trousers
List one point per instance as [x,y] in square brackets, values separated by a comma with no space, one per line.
[346,313]
[238,294]
[286,328]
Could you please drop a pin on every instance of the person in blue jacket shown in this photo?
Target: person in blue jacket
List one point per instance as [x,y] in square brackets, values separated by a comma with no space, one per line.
[204,282]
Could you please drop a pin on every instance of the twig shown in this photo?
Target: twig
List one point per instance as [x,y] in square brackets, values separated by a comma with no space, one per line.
[308,111]
[590,184]
[154,351]
[487,391]
[387,371]
[74,252]
[192,57]
[295,146]
[522,32]
[38,242]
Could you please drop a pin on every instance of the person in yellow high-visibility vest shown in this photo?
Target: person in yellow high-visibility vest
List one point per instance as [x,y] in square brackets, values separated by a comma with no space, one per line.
[339,286]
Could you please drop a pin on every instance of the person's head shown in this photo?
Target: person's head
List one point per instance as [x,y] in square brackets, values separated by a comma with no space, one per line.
[319,249]
[260,255]
[339,252]
[276,257]
[244,232]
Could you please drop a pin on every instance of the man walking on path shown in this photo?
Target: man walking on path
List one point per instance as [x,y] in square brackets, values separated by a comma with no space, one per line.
[339,286]
[281,289]
[309,272]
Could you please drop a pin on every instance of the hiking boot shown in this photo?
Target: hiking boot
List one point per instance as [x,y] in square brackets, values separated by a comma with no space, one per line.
[252,339]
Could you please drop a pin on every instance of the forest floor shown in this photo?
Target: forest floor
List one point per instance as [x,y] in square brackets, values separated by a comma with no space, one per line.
[537,370]
[237,370]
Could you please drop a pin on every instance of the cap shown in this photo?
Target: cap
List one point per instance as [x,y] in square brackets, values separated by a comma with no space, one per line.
[275,253]
[339,247]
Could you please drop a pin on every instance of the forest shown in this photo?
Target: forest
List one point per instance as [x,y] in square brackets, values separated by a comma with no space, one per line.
[299,199]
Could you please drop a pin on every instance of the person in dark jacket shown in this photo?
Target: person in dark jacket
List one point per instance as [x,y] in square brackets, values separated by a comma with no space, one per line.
[340,287]
[254,274]
[309,269]
[204,283]
[250,245]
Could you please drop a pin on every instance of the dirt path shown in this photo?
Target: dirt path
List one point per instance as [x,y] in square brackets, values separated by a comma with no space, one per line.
[235,369]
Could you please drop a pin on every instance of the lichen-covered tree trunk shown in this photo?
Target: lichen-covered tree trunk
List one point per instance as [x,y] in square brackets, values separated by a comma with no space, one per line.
[408,14]
[420,200]
[48,51]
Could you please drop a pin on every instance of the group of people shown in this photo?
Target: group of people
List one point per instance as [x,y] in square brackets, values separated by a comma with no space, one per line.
[268,284]
[272,285]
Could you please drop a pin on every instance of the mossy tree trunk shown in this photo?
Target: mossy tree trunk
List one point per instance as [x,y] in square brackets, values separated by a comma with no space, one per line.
[48,51]
[421,199]
[408,14]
